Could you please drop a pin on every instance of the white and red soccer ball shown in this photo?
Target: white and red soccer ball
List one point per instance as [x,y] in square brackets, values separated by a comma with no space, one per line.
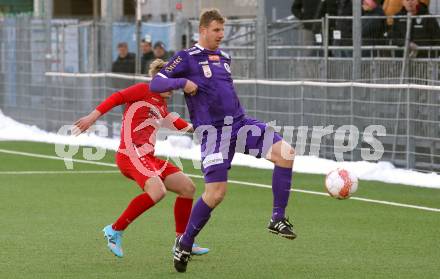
[341,184]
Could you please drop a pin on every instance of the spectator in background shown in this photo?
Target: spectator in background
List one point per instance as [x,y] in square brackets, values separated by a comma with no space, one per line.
[424,31]
[126,61]
[342,34]
[313,9]
[392,7]
[373,29]
[307,10]
[147,54]
[160,51]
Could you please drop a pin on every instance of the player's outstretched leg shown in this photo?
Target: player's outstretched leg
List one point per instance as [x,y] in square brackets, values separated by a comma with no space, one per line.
[154,192]
[282,156]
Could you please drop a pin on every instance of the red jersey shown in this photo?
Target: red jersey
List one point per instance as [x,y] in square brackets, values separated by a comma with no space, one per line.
[144,114]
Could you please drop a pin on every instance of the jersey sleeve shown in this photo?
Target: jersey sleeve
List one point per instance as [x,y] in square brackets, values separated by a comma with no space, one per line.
[173,122]
[131,94]
[177,66]
[180,124]
[172,76]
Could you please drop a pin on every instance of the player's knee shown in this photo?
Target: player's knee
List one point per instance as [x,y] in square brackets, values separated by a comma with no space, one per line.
[218,196]
[188,189]
[155,189]
[283,155]
[162,192]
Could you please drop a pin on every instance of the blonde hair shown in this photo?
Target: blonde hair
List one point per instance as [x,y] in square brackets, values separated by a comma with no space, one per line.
[209,16]
[156,66]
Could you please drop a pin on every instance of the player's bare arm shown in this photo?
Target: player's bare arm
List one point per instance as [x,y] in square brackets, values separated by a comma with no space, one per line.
[85,122]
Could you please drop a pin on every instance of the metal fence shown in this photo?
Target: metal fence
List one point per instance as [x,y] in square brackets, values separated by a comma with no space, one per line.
[409,113]
[317,50]
[30,47]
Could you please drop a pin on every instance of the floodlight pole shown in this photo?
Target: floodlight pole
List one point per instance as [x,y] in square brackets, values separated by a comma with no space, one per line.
[138,35]
[107,15]
[261,40]
[357,39]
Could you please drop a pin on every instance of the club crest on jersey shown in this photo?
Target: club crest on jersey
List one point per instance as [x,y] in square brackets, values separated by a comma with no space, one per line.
[227,68]
[207,71]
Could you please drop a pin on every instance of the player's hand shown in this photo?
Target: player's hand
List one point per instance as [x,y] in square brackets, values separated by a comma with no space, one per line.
[85,122]
[190,88]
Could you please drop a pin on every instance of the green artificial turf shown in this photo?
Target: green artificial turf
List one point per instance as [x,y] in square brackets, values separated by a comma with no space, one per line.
[51,227]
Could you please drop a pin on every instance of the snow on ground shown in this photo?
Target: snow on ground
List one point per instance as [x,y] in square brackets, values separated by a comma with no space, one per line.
[182,147]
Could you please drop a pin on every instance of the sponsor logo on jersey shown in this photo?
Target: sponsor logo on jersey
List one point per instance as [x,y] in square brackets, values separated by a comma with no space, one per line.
[213,159]
[204,62]
[207,71]
[174,64]
[154,114]
[213,58]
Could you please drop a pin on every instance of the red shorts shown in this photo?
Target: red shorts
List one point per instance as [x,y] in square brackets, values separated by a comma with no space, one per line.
[149,162]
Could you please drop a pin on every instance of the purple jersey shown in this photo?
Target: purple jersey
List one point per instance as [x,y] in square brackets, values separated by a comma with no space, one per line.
[210,70]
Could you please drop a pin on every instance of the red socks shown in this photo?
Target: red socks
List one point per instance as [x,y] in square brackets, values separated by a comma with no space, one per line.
[141,203]
[137,206]
[182,211]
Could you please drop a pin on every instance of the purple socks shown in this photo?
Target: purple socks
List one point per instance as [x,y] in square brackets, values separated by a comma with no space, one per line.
[199,217]
[201,212]
[281,180]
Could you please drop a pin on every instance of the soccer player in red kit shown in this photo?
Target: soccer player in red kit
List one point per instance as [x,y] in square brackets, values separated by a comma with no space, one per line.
[144,113]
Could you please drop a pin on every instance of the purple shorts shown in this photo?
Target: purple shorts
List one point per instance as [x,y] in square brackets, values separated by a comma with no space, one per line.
[219,144]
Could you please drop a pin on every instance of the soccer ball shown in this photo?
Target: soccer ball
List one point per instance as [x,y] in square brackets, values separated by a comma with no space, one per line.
[341,184]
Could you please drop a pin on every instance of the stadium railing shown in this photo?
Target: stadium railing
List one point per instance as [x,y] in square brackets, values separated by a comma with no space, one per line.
[410,113]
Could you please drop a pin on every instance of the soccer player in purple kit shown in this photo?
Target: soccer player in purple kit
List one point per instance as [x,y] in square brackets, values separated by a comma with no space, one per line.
[203,72]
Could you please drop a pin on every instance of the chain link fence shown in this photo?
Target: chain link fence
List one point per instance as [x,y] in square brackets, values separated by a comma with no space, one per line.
[410,114]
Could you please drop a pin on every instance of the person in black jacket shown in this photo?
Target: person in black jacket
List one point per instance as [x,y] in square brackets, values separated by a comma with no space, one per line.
[424,31]
[373,29]
[160,51]
[147,54]
[126,61]
[313,9]
[342,33]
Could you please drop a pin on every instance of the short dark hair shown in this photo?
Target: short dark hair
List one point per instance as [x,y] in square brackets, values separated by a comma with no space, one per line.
[209,16]
[159,44]
[122,44]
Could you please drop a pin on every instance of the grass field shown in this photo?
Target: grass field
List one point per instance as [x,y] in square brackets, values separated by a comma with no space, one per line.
[51,225]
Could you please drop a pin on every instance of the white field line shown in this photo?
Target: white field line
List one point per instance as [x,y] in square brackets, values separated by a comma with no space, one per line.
[55,158]
[230,181]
